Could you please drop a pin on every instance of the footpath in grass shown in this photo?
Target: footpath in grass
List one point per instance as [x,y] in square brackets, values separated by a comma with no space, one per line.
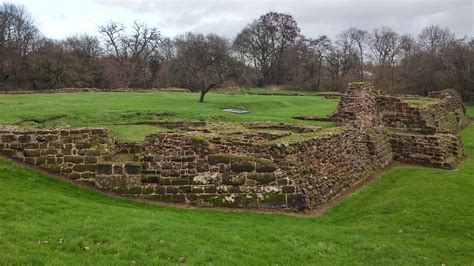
[409,215]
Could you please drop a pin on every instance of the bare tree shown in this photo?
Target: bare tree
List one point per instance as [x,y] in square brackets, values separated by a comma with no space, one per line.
[320,46]
[205,60]
[408,45]
[385,47]
[18,37]
[264,41]
[131,51]
[434,38]
[358,38]
[254,44]
[341,59]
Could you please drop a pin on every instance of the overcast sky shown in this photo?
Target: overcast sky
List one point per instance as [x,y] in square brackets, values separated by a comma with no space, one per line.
[62,18]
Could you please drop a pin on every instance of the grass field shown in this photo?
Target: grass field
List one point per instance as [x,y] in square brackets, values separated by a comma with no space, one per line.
[408,215]
[112,109]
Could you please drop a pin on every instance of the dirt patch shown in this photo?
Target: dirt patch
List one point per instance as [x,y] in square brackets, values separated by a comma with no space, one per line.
[144,114]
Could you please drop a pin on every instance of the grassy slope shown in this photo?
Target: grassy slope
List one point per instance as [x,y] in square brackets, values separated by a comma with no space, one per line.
[104,109]
[470,110]
[409,215]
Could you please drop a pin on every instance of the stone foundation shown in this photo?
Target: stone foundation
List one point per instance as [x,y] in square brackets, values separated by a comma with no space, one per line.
[253,165]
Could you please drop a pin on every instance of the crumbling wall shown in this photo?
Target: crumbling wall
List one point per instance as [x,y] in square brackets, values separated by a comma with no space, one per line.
[437,150]
[446,114]
[72,152]
[323,167]
[269,165]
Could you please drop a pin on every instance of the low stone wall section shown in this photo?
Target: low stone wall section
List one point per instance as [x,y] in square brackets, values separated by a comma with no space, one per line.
[446,115]
[437,150]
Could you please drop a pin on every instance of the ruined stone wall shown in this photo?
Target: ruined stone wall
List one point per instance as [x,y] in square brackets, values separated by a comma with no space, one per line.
[72,152]
[446,115]
[422,133]
[182,168]
[437,150]
[167,167]
[258,167]
[323,167]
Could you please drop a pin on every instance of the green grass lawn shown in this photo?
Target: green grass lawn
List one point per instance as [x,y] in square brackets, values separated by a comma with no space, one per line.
[470,110]
[109,109]
[408,215]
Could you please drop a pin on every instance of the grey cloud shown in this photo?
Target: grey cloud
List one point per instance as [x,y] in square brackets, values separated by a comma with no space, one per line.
[314,17]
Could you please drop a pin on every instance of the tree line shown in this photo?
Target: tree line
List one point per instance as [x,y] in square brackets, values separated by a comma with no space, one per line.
[268,51]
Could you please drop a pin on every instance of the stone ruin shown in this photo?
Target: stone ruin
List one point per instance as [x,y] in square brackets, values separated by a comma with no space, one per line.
[255,165]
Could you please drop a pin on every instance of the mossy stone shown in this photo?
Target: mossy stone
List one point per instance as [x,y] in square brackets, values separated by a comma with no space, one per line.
[242,166]
[219,158]
[262,178]
[133,168]
[103,168]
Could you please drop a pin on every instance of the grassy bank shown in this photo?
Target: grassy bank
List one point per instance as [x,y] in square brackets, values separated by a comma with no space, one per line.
[409,215]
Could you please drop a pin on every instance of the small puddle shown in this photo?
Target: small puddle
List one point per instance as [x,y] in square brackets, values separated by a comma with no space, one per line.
[235,111]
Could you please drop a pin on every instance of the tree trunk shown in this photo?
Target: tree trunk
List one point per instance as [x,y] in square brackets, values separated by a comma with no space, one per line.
[361,62]
[202,94]
[318,86]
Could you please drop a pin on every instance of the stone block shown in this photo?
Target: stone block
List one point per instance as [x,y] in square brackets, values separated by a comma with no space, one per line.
[224,200]
[179,181]
[118,169]
[218,158]
[90,159]
[74,159]
[175,172]
[9,138]
[32,145]
[31,153]
[74,176]
[198,189]
[160,190]
[233,179]
[185,189]
[189,158]
[172,190]
[24,138]
[272,201]
[84,168]
[191,197]
[148,158]
[202,167]
[103,168]
[249,201]
[53,168]
[242,166]
[133,167]
[178,198]
[288,189]
[210,189]
[265,166]
[297,201]
[151,179]
[134,190]
[262,178]
[87,175]
[148,190]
